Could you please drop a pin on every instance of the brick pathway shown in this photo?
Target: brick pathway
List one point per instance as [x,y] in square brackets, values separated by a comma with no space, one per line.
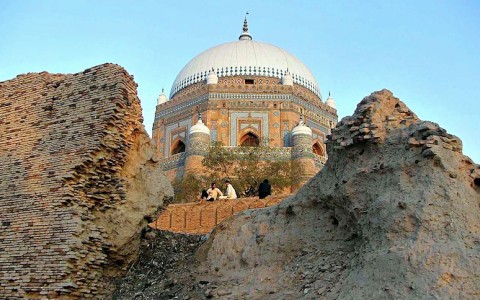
[201,218]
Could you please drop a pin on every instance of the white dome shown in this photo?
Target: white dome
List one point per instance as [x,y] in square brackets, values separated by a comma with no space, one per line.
[301,128]
[162,98]
[212,78]
[287,79]
[199,127]
[245,57]
[331,102]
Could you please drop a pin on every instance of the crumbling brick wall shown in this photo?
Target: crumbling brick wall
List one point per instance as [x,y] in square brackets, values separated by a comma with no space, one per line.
[201,218]
[78,174]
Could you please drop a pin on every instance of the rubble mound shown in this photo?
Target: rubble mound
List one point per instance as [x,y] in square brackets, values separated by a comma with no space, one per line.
[393,214]
[78,176]
[163,268]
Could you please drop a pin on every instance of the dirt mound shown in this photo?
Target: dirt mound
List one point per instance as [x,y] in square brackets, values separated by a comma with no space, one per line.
[393,214]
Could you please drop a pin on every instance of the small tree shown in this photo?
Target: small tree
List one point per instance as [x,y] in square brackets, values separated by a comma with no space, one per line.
[188,188]
[219,161]
[246,167]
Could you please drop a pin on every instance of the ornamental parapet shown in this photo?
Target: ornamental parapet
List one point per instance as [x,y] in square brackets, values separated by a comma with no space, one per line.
[267,154]
[302,151]
[182,108]
[173,161]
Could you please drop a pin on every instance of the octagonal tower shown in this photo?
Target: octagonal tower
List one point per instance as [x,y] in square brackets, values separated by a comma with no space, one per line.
[248,93]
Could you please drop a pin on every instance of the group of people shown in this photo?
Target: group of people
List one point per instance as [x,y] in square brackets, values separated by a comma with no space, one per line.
[214,193]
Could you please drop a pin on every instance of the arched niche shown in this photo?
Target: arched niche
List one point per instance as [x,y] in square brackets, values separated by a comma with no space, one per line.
[178,147]
[317,149]
[249,139]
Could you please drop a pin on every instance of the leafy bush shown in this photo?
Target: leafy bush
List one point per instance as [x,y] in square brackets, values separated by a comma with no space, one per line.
[245,167]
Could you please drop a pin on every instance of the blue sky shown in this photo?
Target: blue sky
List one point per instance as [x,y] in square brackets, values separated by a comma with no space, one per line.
[426,52]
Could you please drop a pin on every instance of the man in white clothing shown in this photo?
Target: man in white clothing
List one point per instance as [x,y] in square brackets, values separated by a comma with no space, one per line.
[214,193]
[230,194]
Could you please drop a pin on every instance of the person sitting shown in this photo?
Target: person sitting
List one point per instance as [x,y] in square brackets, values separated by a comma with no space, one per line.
[204,195]
[264,189]
[213,192]
[231,194]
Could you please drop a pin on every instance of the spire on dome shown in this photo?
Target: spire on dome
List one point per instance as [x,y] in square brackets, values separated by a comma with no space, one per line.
[245,36]
[301,122]
[245,24]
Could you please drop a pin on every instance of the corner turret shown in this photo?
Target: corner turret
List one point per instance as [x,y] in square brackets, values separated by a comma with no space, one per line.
[198,143]
[302,153]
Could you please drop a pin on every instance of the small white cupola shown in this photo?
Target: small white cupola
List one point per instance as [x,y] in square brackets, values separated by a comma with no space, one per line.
[212,77]
[301,128]
[162,98]
[199,127]
[287,79]
[331,102]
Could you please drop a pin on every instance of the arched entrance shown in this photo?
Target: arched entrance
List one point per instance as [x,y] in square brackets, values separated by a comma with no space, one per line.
[178,147]
[250,140]
[318,150]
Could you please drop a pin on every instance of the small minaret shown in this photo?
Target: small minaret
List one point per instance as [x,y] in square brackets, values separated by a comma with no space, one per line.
[302,153]
[198,143]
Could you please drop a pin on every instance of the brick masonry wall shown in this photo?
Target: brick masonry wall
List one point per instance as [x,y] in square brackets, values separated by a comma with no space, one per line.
[201,218]
[65,140]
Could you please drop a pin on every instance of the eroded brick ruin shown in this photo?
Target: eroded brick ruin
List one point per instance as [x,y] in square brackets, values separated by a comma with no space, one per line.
[78,176]
[201,218]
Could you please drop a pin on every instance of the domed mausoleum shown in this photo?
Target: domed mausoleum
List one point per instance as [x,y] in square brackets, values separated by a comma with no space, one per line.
[247,93]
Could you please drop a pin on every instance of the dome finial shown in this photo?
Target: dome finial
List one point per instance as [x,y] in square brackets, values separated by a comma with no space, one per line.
[302,121]
[245,23]
[245,35]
